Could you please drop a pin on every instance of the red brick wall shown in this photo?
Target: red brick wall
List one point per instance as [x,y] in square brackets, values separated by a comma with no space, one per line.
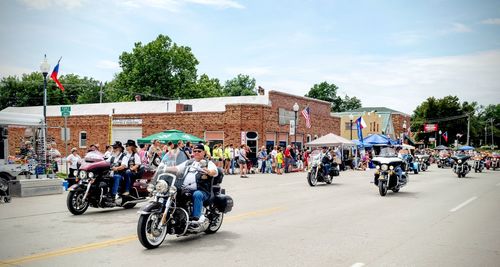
[236,118]
[397,122]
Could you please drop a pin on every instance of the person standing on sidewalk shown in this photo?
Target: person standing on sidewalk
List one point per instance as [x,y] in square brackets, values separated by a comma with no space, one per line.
[261,159]
[242,161]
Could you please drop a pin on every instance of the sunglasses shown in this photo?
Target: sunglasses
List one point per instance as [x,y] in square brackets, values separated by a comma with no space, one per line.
[197,151]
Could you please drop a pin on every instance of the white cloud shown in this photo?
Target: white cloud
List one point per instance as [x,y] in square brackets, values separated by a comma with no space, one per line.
[176,5]
[44,4]
[14,71]
[400,83]
[218,3]
[107,64]
[407,38]
[459,27]
[495,21]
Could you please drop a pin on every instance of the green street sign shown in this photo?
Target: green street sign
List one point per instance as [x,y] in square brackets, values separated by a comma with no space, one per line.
[65,111]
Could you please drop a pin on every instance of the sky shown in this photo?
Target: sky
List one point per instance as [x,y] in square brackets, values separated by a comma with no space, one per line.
[387,53]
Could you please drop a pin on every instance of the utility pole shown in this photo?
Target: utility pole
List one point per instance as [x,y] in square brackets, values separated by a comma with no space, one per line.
[468,128]
[100,94]
[492,136]
[485,132]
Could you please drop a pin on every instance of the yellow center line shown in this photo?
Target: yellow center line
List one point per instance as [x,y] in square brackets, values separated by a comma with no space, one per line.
[107,243]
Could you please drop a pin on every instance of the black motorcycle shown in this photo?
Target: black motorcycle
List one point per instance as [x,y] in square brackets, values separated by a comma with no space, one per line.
[423,161]
[316,173]
[93,188]
[4,190]
[478,164]
[169,211]
[460,166]
[389,174]
[443,162]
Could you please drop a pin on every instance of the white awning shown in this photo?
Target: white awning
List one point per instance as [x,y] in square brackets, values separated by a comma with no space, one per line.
[331,140]
[19,119]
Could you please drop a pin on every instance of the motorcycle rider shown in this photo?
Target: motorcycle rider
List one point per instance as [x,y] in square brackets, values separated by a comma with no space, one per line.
[326,158]
[116,166]
[198,184]
[132,162]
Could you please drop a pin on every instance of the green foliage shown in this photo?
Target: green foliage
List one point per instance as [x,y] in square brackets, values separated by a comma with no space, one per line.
[328,92]
[160,68]
[448,107]
[239,86]
[204,87]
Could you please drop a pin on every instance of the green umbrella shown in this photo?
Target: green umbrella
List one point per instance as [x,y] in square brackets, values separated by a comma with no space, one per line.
[170,135]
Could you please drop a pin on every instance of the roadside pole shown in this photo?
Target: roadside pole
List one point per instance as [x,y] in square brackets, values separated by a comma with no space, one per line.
[66,141]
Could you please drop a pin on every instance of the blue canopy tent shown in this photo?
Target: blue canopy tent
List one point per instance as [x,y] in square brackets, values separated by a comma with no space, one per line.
[378,140]
[466,148]
[359,144]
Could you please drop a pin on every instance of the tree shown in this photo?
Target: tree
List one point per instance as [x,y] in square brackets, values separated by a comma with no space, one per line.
[205,87]
[239,86]
[160,68]
[451,117]
[328,92]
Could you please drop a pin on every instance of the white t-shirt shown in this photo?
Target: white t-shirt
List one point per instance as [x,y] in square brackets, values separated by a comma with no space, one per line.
[190,179]
[137,159]
[236,153]
[274,153]
[73,160]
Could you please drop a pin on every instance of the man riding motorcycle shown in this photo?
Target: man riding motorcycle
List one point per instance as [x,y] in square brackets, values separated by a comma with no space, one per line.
[116,166]
[198,185]
[132,162]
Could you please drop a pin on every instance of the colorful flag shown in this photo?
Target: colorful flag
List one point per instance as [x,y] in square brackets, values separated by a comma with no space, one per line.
[54,76]
[445,136]
[360,124]
[307,115]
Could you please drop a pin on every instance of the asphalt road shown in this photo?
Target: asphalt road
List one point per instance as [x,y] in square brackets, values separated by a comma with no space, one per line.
[436,220]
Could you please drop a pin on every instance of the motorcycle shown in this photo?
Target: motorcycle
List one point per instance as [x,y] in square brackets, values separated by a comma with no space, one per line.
[412,165]
[478,164]
[316,172]
[4,190]
[389,174]
[93,186]
[461,167]
[169,211]
[423,161]
[443,162]
[495,162]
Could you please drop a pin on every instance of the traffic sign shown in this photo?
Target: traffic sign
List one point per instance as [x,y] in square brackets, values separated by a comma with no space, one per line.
[65,111]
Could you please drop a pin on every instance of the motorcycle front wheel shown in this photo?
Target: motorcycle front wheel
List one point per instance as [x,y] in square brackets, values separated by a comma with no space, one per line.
[382,188]
[215,222]
[148,232]
[75,202]
[311,178]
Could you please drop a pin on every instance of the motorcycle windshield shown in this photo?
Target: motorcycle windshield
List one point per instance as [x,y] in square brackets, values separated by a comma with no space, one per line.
[388,152]
[93,156]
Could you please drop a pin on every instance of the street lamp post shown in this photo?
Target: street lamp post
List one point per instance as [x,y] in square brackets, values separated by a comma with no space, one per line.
[44,68]
[403,134]
[440,137]
[295,109]
[350,118]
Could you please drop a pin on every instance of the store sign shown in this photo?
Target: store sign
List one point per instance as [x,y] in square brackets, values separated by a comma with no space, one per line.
[127,121]
[65,111]
[430,128]
[292,127]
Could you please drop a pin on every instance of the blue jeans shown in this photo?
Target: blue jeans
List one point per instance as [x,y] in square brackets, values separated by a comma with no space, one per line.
[128,178]
[263,166]
[232,166]
[326,169]
[198,198]
[116,178]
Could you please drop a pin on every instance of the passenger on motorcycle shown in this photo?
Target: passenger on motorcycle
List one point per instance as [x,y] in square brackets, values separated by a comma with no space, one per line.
[198,184]
[132,163]
[326,159]
[116,166]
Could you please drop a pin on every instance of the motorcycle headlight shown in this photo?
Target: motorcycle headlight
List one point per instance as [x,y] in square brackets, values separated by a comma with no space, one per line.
[151,187]
[75,173]
[459,161]
[161,187]
[91,175]
[384,167]
[377,167]
[83,174]
[391,167]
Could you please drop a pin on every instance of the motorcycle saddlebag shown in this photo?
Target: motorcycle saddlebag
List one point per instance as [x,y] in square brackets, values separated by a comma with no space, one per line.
[223,203]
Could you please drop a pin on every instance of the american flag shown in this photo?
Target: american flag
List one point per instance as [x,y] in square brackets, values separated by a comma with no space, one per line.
[307,115]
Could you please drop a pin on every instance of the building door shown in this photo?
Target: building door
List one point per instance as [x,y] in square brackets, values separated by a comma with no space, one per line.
[252,143]
[123,134]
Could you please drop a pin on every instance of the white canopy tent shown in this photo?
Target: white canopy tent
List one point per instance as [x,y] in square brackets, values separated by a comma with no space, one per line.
[331,140]
[20,119]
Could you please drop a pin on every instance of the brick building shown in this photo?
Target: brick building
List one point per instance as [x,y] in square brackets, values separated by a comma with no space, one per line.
[255,120]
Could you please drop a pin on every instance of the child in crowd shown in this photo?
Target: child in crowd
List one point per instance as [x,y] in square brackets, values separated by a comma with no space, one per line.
[269,164]
[279,161]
